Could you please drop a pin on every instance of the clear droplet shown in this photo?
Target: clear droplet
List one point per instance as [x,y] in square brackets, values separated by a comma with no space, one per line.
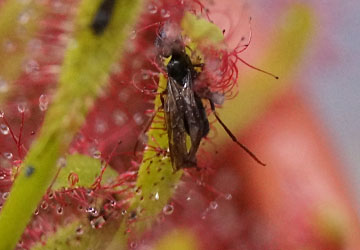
[44,205]
[4,86]
[95,212]
[165,13]
[152,8]
[61,162]
[157,197]
[133,35]
[168,209]
[79,230]
[5,195]
[133,244]
[145,76]
[4,129]
[120,117]
[9,46]
[97,222]
[96,154]
[228,197]
[36,212]
[8,155]
[24,18]
[90,209]
[31,66]
[21,107]
[43,102]
[138,118]
[214,205]
[101,126]
[1,114]
[113,203]
[59,210]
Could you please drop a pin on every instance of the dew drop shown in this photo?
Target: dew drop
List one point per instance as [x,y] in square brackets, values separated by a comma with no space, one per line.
[89,192]
[31,66]
[96,154]
[9,46]
[79,230]
[59,210]
[133,35]
[119,117]
[165,13]
[101,126]
[4,86]
[145,76]
[90,210]
[44,205]
[168,209]
[5,195]
[36,212]
[95,212]
[8,155]
[21,107]
[98,222]
[43,102]
[112,203]
[61,162]
[4,129]
[133,244]
[214,205]
[152,8]
[51,195]
[228,197]
[157,197]
[24,18]
[138,118]
[123,212]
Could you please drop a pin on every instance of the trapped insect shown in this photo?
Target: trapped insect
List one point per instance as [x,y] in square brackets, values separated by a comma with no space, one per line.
[102,17]
[185,114]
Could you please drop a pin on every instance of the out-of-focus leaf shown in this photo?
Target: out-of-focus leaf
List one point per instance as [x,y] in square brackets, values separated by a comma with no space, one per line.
[84,74]
[19,21]
[86,168]
[177,240]
[79,235]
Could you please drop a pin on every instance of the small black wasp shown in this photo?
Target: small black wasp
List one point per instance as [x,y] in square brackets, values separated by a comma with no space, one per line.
[185,114]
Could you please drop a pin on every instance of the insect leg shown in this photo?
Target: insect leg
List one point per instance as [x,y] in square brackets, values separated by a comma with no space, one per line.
[232,136]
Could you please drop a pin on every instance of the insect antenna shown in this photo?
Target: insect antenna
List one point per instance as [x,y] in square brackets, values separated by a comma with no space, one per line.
[232,136]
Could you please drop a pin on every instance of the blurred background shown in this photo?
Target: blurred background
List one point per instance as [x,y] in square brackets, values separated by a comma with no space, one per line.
[329,79]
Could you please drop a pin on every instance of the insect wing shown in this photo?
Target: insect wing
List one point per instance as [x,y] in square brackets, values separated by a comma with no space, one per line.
[174,110]
[185,115]
[194,117]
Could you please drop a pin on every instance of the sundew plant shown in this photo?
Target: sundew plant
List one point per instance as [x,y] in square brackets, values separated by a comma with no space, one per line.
[85,159]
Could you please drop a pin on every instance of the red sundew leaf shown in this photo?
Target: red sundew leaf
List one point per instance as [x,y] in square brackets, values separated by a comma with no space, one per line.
[300,198]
